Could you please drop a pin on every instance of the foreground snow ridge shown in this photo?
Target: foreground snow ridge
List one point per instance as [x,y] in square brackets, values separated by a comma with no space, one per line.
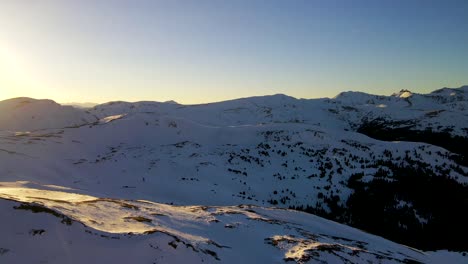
[47,227]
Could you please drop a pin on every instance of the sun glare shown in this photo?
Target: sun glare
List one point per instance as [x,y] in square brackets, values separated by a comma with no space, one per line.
[8,61]
[10,67]
[16,74]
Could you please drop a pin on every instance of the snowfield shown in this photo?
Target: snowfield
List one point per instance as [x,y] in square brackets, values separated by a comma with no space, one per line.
[151,182]
[56,225]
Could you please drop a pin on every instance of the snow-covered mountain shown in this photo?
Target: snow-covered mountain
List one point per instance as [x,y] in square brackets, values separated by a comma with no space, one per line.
[24,114]
[395,166]
[441,110]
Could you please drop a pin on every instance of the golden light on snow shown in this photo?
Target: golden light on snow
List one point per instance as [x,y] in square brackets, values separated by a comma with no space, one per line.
[406,94]
[19,190]
[110,118]
[107,215]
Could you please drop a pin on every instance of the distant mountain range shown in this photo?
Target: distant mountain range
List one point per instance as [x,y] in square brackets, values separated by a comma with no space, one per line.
[394,166]
[81,105]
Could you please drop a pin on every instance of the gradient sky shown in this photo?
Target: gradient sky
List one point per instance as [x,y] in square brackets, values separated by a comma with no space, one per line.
[197,51]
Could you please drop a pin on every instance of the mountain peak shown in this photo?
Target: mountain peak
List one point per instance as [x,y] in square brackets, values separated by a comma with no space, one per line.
[404,93]
[171,102]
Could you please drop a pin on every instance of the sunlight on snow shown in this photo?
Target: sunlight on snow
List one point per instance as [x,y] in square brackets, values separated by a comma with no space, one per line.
[110,215]
[110,118]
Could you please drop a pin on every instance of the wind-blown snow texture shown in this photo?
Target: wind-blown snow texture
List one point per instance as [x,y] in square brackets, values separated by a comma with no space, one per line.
[395,166]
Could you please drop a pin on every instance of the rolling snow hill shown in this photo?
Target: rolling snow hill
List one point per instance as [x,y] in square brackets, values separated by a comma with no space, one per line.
[24,114]
[395,166]
[54,225]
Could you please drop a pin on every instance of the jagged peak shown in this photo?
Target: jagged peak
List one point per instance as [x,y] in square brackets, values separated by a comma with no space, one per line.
[404,93]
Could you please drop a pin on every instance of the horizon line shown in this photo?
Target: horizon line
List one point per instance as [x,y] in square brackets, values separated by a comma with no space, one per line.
[212,102]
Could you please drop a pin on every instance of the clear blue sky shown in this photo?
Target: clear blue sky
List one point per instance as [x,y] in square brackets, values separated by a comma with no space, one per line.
[196,51]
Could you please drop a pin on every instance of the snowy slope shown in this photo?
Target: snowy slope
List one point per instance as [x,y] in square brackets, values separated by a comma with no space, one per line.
[311,155]
[55,225]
